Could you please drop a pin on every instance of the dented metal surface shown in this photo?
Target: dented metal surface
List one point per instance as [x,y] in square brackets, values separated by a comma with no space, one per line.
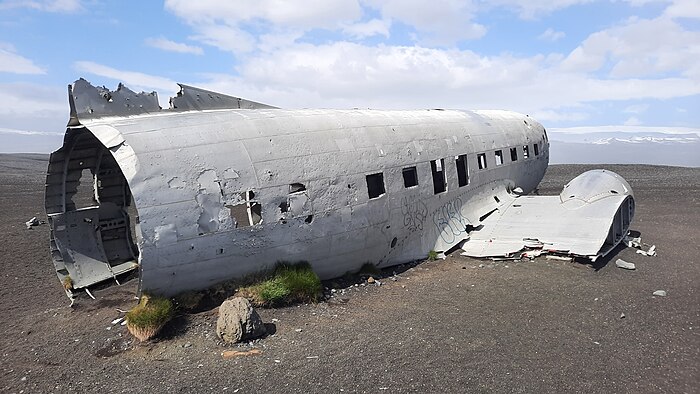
[219,187]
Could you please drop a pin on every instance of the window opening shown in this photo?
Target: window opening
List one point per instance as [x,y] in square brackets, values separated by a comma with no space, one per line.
[499,157]
[375,185]
[513,154]
[437,167]
[481,158]
[248,212]
[296,188]
[410,177]
[462,170]
[536,148]
[526,152]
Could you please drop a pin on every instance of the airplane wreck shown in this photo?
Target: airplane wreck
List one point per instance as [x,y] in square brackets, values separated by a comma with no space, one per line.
[218,187]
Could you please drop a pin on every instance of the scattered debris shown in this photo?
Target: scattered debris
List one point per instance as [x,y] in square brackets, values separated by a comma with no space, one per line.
[531,254]
[33,222]
[117,320]
[636,242]
[633,242]
[310,357]
[559,258]
[650,252]
[622,315]
[624,264]
[298,330]
[370,280]
[660,293]
[238,321]
[227,354]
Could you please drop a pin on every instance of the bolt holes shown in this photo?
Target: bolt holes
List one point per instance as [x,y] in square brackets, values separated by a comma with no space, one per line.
[220,251]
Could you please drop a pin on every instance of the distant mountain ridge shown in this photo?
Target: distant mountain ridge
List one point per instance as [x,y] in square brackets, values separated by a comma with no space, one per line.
[609,147]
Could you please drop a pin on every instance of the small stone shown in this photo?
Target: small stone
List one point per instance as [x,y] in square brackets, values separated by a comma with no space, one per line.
[660,293]
[298,330]
[187,345]
[622,315]
[370,280]
[24,379]
[481,266]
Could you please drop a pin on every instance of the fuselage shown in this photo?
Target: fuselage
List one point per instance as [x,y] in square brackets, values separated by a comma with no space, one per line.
[221,194]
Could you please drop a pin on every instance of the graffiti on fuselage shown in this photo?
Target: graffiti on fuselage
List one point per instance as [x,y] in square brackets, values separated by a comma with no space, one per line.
[449,221]
[414,214]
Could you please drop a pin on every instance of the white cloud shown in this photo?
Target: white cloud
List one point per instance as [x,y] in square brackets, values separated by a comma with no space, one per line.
[28,106]
[301,14]
[439,22]
[11,62]
[134,80]
[225,38]
[368,29]
[227,25]
[683,9]
[639,48]
[636,108]
[530,9]
[345,74]
[552,35]
[172,46]
[28,132]
[63,6]
[632,121]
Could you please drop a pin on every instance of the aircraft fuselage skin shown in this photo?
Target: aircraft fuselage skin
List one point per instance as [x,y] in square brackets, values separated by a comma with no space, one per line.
[223,193]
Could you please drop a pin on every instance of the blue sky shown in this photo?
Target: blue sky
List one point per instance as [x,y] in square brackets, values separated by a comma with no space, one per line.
[568,63]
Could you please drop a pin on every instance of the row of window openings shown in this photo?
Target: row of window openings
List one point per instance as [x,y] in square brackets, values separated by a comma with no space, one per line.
[375,182]
[249,212]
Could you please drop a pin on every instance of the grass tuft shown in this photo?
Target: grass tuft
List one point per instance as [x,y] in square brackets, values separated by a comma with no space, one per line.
[67,282]
[286,284]
[147,318]
[432,255]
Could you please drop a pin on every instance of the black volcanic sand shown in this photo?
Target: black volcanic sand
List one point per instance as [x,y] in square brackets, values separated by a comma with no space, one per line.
[446,326]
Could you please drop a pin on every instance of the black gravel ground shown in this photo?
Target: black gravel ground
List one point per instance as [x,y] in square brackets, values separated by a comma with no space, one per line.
[445,326]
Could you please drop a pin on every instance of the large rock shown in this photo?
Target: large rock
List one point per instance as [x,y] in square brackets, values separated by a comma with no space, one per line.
[238,321]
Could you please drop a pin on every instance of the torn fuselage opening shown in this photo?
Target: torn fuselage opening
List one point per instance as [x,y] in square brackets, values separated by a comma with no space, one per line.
[91,214]
[620,225]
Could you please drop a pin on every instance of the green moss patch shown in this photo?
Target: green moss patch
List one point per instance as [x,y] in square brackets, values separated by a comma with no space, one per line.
[286,284]
[147,318]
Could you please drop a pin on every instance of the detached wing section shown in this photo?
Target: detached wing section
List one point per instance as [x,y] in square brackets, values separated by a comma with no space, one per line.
[588,219]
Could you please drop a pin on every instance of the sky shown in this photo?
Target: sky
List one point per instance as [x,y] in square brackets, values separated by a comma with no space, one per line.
[570,64]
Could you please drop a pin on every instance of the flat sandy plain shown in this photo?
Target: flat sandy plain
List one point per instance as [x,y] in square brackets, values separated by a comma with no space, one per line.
[447,326]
